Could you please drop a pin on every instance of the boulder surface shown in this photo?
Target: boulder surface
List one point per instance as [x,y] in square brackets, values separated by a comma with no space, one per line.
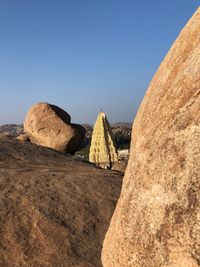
[54,208]
[48,125]
[157,219]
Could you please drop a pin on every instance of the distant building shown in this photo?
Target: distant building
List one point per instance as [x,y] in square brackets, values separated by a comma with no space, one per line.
[103,150]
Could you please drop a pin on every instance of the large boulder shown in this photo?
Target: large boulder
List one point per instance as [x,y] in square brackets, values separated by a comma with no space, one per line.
[48,125]
[54,208]
[157,219]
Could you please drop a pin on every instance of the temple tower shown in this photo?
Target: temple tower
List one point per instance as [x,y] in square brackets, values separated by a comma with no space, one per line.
[103,151]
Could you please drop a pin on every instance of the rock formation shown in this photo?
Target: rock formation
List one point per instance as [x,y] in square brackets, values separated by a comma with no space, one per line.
[48,125]
[157,219]
[23,137]
[102,150]
[54,208]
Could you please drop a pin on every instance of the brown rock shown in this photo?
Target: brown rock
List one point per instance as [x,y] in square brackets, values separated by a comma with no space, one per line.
[23,137]
[120,166]
[48,125]
[54,208]
[157,219]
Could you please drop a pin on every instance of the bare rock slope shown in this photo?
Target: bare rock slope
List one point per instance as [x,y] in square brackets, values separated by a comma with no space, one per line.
[54,209]
[157,219]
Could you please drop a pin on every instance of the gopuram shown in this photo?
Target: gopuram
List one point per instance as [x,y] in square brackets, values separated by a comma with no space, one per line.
[103,150]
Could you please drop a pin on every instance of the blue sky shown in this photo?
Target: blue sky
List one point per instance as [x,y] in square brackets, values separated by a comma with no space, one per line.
[84,54]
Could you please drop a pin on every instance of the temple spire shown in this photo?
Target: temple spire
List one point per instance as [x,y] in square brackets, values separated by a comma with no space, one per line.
[103,151]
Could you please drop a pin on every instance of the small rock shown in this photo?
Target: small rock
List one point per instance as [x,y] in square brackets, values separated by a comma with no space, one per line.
[23,137]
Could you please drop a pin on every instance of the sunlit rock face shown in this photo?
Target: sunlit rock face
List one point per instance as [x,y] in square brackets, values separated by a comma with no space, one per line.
[50,126]
[103,151]
[157,220]
[54,208]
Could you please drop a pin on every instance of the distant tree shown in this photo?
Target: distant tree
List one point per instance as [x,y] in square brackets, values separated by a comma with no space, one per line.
[122,141]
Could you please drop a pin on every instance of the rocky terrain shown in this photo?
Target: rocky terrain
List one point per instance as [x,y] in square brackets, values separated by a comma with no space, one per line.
[123,128]
[157,219]
[12,129]
[121,131]
[17,129]
[54,208]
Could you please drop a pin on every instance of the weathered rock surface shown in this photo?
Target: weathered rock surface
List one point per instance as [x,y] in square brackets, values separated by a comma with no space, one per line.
[23,137]
[120,166]
[48,125]
[54,208]
[157,219]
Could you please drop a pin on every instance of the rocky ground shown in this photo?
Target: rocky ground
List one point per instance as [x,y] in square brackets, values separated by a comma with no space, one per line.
[54,208]
[12,129]
[121,131]
[17,129]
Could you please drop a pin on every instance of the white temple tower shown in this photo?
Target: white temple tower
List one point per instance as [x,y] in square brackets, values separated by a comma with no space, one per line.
[103,150]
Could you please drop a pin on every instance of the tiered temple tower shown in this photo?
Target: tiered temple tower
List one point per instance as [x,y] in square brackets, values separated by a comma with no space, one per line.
[103,150]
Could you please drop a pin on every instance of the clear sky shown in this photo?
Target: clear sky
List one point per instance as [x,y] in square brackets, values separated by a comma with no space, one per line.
[84,54]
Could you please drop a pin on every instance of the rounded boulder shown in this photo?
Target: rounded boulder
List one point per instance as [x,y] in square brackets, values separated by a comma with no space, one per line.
[48,125]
